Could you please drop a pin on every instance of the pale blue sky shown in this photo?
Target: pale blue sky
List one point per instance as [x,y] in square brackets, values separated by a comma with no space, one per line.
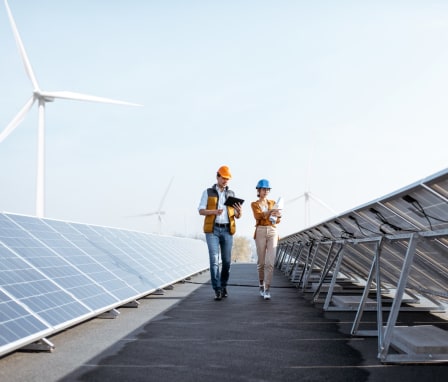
[356,90]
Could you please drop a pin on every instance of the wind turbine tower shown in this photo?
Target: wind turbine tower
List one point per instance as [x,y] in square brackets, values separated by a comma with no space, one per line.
[42,97]
[308,197]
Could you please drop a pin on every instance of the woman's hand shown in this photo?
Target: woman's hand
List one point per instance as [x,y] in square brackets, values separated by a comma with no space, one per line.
[275,212]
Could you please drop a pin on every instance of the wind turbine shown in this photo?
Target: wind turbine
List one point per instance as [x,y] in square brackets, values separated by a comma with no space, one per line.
[159,212]
[42,97]
[308,196]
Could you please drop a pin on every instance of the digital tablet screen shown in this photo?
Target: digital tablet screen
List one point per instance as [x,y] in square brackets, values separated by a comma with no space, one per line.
[231,200]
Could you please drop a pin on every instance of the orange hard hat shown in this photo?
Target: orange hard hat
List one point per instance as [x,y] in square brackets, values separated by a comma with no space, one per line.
[224,171]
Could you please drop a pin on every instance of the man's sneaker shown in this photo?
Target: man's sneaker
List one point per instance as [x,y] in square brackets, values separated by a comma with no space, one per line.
[218,295]
[224,292]
[261,290]
[267,294]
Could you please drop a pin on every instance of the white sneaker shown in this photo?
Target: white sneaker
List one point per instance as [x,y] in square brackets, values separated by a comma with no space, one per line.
[261,290]
[267,294]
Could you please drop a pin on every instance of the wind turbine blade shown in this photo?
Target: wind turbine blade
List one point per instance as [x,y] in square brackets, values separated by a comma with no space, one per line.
[322,203]
[17,119]
[164,195]
[26,61]
[83,97]
[294,199]
[148,214]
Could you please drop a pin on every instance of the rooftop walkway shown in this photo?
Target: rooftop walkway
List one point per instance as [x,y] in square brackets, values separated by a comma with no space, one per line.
[240,338]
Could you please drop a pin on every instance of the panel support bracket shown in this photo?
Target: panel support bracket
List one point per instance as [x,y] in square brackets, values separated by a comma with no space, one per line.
[42,345]
[114,313]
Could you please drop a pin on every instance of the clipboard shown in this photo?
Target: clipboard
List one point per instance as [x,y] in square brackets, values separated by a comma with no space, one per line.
[231,200]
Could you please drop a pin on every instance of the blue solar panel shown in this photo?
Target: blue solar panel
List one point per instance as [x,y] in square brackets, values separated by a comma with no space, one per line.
[95,263]
[32,262]
[115,259]
[54,274]
[55,259]
[144,257]
[16,322]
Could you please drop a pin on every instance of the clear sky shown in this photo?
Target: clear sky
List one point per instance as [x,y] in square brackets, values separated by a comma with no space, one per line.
[345,99]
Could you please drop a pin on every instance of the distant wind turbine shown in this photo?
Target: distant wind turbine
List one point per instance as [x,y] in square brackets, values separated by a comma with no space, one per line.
[160,212]
[308,196]
[42,97]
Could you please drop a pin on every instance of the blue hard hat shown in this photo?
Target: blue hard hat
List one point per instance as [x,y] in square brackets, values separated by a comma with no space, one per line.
[263,183]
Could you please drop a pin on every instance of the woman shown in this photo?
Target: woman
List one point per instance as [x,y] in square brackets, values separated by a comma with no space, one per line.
[266,237]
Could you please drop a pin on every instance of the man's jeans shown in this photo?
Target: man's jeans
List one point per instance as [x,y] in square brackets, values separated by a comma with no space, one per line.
[219,239]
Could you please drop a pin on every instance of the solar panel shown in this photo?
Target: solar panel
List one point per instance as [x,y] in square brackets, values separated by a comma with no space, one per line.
[34,286]
[399,242]
[54,274]
[71,268]
[17,323]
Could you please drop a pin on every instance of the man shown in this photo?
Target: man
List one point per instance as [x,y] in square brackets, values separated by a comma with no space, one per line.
[219,228]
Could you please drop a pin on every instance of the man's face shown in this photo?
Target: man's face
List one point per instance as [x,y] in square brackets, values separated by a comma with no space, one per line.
[222,182]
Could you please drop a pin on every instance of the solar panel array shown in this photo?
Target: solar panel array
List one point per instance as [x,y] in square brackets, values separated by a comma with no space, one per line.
[54,274]
[396,244]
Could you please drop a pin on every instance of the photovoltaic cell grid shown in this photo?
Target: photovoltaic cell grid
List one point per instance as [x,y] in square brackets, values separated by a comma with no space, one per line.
[54,274]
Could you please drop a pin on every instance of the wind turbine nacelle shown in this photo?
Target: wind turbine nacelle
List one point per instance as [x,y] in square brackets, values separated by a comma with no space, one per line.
[42,97]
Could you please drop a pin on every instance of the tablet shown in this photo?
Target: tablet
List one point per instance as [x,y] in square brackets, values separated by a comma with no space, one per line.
[231,200]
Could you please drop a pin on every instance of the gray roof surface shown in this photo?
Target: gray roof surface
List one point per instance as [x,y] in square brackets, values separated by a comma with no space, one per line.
[184,335]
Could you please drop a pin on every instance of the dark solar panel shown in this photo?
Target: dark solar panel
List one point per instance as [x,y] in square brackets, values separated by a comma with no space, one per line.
[398,243]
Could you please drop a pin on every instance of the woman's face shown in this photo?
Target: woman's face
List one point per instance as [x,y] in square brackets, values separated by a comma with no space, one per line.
[263,192]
